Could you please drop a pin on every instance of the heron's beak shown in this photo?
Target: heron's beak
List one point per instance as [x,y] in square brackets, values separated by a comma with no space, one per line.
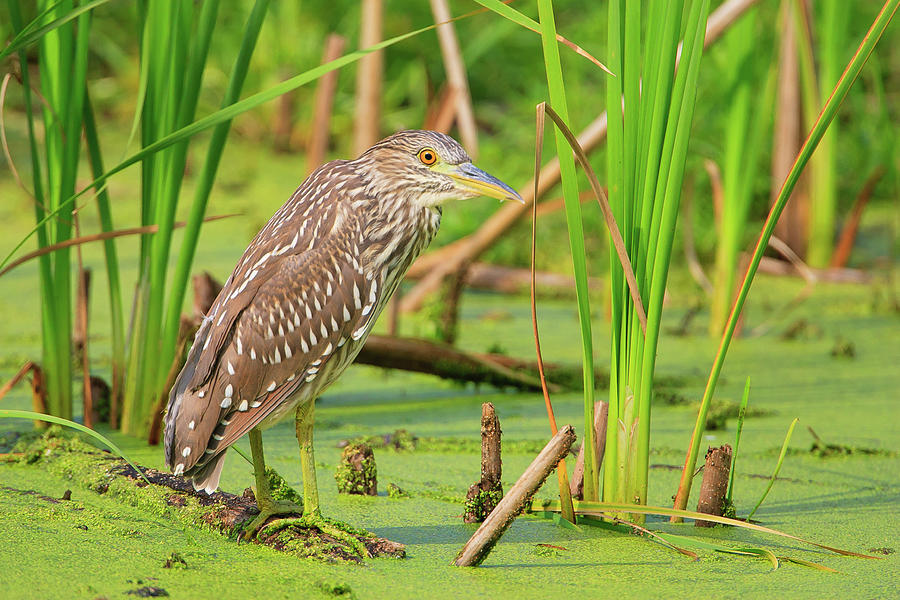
[471,178]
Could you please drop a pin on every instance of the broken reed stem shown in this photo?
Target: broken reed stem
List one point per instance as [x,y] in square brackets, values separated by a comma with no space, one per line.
[317,146]
[601,414]
[491,465]
[484,494]
[714,489]
[479,545]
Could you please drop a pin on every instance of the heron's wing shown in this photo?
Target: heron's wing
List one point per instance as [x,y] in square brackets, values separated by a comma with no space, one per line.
[285,337]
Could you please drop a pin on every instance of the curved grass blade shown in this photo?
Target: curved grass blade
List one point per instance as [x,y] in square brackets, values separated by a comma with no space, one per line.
[531,25]
[27,37]
[784,447]
[614,232]
[826,116]
[707,545]
[34,416]
[808,563]
[607,508]
[622,526]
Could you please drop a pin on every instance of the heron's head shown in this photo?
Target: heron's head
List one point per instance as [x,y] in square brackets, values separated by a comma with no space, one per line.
[430,168]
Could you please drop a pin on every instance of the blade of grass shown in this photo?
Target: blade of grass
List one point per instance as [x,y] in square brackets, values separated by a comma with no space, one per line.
[33,416]
[825,117]
[707,545]
[784,448]
[745,400]
[29,35]
[607,508]
[531,25]
[575,227]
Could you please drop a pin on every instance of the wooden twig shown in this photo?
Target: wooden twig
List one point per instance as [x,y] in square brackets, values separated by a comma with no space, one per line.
[480,544]
[601,414]
[485,493]
[22,372]
[366,130]
[456,76]
[715,484]
[317,146]
[446,260]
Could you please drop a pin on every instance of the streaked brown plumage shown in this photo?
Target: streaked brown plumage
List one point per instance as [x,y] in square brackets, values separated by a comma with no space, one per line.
[305,294]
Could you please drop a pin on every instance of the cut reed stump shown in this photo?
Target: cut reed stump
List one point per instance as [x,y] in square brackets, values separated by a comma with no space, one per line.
[601,414]
[484,495]
[714,488]
[480,544]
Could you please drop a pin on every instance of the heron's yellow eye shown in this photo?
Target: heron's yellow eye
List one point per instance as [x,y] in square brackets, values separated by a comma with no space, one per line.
[427,156]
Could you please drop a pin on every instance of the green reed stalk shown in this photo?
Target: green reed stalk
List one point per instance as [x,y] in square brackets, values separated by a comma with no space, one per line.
[851,72]
[576,236]
[62,60]
[832,29]
[749,118]
[647,148]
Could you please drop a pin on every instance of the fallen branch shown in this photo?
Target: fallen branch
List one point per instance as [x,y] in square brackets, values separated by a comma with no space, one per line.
[423,356]
[480,544]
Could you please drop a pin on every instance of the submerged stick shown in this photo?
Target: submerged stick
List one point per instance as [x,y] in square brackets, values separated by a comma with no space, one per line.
[481,543]
[714,489]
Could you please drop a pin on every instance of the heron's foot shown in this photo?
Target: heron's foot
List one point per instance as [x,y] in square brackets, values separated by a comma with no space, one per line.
[321,537]
[269,509]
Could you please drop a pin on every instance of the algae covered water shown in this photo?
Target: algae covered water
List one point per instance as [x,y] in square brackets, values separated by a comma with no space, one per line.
[95,546]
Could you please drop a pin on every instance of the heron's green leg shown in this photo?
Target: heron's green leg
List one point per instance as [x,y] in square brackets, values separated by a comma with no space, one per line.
[312,517]
[304,426]
[267,505]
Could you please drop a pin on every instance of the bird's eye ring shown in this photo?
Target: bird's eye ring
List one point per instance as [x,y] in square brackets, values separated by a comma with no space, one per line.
[427,156]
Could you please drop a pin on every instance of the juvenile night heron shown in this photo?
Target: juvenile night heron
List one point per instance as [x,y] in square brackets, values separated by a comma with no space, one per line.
[299,305]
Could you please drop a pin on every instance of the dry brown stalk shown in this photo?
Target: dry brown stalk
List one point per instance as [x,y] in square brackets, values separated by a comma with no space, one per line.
[456,76]
[851,226]
[601,414]
[366,130]
[317,146]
